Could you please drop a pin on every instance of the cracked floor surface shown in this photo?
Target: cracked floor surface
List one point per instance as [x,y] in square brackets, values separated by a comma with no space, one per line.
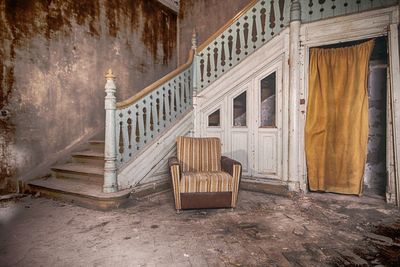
[264,230]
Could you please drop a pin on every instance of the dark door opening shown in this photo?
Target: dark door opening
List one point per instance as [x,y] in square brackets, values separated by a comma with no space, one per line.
[375,175]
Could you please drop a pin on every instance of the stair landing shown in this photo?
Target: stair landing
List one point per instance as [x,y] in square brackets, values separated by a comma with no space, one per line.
[79,192]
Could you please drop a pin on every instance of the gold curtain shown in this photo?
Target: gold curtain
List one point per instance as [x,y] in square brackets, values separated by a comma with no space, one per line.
[336,133]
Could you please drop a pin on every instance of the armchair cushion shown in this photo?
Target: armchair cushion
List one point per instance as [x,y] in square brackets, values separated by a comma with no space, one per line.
[199,154]
[196,182]
[201,178]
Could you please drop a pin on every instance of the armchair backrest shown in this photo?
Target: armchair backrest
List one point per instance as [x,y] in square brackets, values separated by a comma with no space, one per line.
[199,154]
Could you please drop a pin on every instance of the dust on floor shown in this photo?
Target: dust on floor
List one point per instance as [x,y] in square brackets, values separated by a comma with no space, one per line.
[264,230]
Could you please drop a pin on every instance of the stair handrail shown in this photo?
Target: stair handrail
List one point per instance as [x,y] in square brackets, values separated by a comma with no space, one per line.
[144,116]
[147,90]
[226,25]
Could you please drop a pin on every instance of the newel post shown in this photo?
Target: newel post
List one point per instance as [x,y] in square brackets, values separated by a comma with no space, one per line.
[110,146]
[294,89]
[196,126]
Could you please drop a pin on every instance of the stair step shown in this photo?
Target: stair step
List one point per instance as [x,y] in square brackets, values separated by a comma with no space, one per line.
[79,171]
[96,145]
[89,157]
[80,192]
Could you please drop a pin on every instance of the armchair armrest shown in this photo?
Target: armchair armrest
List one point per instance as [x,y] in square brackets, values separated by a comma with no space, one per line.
[227,164]
[234,168]
[173,161]
[175,171]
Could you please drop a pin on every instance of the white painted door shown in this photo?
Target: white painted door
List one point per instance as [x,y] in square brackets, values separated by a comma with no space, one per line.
[248,120]
[239,127]
[267,123]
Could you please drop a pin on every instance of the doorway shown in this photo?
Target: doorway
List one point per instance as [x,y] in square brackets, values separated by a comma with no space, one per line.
[375,171]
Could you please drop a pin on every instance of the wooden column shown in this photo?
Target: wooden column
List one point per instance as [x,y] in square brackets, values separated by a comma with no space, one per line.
[110,146]
[196,113]
[294,88]
[394,65]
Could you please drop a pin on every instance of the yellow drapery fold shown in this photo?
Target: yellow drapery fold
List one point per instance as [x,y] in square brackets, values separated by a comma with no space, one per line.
[336,132]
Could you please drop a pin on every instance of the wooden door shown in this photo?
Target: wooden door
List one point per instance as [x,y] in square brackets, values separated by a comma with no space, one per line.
[248,120]
[267,123]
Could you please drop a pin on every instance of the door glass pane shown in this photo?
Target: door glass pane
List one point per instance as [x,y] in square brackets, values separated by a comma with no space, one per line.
[239,110]
[214,118]
[268,91]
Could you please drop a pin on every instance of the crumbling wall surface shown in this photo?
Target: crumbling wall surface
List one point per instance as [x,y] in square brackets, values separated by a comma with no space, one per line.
[206,16]
[53,57]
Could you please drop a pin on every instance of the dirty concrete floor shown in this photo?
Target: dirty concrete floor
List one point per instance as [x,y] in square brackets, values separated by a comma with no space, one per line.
[264,230]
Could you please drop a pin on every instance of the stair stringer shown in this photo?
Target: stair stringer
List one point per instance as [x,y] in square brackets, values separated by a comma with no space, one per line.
[151,166]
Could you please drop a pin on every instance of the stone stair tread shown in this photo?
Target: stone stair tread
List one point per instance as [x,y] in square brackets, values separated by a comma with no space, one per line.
[89,153]
[76,187]
[79,168]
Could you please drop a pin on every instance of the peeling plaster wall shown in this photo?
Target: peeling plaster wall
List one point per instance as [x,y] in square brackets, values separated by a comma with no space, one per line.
[53,57]
[206,16]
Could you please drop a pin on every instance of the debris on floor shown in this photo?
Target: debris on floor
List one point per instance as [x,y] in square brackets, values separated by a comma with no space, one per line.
[264,230]
[11,196]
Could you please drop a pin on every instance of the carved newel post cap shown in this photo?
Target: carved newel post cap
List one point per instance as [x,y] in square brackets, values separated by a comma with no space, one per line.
[295,11]
[110,75]
[194,39]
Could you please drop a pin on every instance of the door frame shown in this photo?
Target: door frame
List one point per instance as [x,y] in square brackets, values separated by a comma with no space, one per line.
[376,23]
[257,131]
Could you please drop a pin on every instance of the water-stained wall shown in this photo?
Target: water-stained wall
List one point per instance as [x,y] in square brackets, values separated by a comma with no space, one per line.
[375,175]
[206,16]
[53,57]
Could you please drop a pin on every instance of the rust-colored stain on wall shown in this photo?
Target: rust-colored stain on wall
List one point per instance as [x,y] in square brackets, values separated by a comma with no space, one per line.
[159,24]
[48,16]
[53,54]
[6,168]
[26,19]
[185,6]
[159,27]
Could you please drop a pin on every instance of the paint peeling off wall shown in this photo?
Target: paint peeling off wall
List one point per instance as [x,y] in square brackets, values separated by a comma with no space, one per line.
[54,54]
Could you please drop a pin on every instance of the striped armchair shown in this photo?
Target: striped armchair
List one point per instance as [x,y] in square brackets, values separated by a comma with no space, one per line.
[201,178]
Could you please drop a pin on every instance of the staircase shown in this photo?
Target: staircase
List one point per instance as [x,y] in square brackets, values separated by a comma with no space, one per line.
[104,172]
[80,180]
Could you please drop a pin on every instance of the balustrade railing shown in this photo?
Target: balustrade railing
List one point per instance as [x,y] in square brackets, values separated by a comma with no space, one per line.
[141,120]
[258,23]
[312,10]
